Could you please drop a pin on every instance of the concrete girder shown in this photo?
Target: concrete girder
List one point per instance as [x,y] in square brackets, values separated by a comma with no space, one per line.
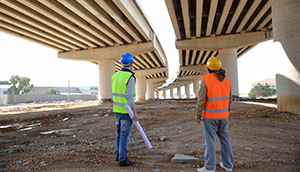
[193,77]
[224,16]
[85,16]
[91,6]
[32,25]
[32,34]
[193,57]
[199,67]
[118,18]
[81,30]
[259,15]
[211,16]
[156,80]
[160,52]
[146,72]
[248,15]
[27,38]
[148,60]
[45,21]
[134,16]
[199,9]
[170,5]
[236,15]
[154,59]
[142,61]
[221,42]
[110,53]
[186,18]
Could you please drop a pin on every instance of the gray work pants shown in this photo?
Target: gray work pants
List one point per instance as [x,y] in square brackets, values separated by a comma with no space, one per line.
[211,128]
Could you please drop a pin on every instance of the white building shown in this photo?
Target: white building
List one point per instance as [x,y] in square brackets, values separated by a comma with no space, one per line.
[245,88]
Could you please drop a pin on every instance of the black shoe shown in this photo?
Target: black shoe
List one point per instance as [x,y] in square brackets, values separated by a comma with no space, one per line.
[117,159]
[126,162]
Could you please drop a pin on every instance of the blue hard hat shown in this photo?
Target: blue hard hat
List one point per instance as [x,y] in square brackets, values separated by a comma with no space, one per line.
[126,58]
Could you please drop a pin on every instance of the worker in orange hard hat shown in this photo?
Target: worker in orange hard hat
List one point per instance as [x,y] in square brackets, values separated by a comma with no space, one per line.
[214,99]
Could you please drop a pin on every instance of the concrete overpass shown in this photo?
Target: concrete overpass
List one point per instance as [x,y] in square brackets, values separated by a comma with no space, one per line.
[229,28]
[97,31]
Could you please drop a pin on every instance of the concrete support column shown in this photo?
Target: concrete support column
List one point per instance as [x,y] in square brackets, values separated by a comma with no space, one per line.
[140,87]
[187,91]
[286,32]
[106,70]
[179,92]
[171,93]
[228,59]
[196,87]
[150,90]
[164,93]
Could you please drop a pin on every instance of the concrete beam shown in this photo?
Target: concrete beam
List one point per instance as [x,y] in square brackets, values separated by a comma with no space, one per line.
[146,72]
[199,68]
[192,77]
[228,41]
[156,80]
[133,14]
[110,53]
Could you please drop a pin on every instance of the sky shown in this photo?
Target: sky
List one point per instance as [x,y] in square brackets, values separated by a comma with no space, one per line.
[44,68]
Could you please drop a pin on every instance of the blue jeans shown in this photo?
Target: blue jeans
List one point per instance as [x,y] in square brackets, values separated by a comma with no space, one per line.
[211,128]
[124,125]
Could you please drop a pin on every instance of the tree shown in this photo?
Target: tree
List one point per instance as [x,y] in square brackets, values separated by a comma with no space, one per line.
[51,91]
[19,85]
[261,91]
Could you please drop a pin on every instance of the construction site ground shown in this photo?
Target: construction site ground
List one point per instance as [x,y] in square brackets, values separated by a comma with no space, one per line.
[80,136]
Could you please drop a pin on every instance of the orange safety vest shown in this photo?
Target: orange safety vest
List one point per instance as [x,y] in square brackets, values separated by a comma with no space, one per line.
[217,97]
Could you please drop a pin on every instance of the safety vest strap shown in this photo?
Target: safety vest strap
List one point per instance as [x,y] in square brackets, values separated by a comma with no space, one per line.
[121,95]
[217,98]
[216,110]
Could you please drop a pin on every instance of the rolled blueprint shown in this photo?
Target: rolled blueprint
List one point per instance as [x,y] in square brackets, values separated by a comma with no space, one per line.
[138,126]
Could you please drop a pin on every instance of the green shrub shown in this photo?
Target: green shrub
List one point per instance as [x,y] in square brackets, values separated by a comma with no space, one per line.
[265,115]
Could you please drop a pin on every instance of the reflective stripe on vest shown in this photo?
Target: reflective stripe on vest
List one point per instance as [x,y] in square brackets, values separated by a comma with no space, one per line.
[217,97]
[119,89]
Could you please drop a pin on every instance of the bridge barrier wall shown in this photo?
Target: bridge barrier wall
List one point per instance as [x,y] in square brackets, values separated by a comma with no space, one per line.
[26,98]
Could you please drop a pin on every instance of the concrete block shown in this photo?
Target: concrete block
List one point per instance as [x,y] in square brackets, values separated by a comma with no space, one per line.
[184,158]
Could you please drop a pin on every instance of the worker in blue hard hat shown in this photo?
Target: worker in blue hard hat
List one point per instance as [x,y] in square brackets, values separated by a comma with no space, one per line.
[123,92]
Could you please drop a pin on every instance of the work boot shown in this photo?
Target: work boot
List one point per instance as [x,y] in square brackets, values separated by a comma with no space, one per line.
[203,169]
[117,159]
[227,169]
[126,162]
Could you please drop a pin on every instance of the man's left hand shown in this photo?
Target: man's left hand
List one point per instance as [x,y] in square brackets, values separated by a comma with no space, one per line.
[198,119]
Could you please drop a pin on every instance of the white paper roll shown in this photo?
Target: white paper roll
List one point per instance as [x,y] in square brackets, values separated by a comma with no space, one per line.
[138,126]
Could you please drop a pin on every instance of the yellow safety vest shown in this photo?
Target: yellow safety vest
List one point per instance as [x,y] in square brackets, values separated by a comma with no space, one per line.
[119,88]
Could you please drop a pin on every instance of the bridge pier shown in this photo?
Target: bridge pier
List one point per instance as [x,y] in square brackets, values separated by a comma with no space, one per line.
[171,93]
[286,32]
[164,93]
[228,59]
[179,92]
[106,70]
[187,91]
[150,90]
[140,87]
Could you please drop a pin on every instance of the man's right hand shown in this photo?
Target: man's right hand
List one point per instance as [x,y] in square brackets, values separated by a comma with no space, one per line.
[135,118]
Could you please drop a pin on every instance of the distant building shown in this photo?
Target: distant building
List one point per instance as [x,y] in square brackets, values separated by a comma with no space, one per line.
[63,90]
[3,89]
[89,90]
[245,88]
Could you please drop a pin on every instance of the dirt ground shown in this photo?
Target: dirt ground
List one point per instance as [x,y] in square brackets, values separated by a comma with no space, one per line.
[79,136]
